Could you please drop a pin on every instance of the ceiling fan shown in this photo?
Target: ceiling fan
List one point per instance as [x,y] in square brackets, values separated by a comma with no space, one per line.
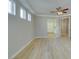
[60,11]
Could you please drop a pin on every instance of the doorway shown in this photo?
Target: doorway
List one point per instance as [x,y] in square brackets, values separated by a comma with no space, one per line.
[51,26]
[64,27]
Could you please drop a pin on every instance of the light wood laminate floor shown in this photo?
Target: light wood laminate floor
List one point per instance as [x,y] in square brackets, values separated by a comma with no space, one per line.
[49,48]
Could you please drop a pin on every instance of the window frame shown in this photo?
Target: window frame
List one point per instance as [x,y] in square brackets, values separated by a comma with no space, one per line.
[29,16]
[12,7]
[22,13]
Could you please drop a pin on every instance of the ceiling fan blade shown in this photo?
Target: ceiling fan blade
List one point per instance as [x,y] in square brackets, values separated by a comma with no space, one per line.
[66,9]
[53,11]
[59,9]
[64,12]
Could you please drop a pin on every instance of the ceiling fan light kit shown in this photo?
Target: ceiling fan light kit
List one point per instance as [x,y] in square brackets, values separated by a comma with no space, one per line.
[59,13]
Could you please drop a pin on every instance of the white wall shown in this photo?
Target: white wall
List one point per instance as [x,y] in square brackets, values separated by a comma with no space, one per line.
[40,26]
[20,32]
[41,23]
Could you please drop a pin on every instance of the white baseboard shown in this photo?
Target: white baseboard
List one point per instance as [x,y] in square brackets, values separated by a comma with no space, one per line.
[21,49]
[40,37]
[27,45]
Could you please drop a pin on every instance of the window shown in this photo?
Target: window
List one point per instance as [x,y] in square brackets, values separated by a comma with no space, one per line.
[29,17]
[22,13]
[11,7]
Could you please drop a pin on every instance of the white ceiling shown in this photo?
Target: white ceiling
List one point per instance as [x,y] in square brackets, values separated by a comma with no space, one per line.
[43,7]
